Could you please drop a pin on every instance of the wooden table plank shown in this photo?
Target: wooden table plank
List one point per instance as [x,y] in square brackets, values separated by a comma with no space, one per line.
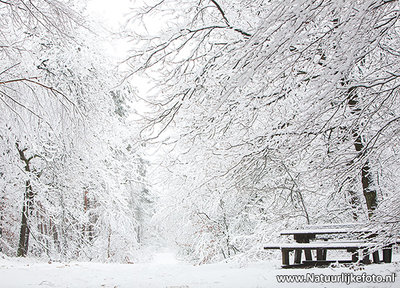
[329,245]
[323,231]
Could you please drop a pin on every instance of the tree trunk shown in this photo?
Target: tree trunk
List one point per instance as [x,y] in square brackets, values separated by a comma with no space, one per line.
[88,229]
[26,208]
[366,178]
[1,216]
[24,231]
[354,199]
[368,191]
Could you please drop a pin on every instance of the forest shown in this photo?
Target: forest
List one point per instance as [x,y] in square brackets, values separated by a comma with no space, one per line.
[260,116]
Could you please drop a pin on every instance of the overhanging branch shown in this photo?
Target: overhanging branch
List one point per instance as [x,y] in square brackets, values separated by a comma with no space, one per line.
[227,21]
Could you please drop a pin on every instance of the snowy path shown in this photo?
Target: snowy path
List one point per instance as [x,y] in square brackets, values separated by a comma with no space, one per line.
[166,271]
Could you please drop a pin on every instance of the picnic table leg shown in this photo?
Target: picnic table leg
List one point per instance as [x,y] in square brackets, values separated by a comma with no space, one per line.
[365,256]
[324,254]
[320,254]
[300,238]
[285,257]
[354,255]
[387,254]
[297,256]
[307,253]
[375,256]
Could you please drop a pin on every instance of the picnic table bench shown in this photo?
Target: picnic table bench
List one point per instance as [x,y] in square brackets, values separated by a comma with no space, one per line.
[356,238]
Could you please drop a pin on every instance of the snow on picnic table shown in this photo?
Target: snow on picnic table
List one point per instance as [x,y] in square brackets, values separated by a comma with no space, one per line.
[166,272]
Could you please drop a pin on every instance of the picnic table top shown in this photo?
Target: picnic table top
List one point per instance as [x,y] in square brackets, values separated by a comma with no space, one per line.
[329,245]
[326,230]
[337,225]
[322,231]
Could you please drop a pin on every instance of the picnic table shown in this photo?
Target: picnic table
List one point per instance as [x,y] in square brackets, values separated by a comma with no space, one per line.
[355,238]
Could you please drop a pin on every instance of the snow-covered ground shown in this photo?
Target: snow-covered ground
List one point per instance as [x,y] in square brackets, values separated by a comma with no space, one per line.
[165,271]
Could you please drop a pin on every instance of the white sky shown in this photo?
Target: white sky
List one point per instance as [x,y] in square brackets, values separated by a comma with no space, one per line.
[112,12]
[111,15]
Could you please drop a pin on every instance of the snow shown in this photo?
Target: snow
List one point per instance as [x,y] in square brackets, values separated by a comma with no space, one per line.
[168,272]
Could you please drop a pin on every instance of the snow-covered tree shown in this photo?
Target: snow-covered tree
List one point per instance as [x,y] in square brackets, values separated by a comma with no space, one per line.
[280,112]
[64,190]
